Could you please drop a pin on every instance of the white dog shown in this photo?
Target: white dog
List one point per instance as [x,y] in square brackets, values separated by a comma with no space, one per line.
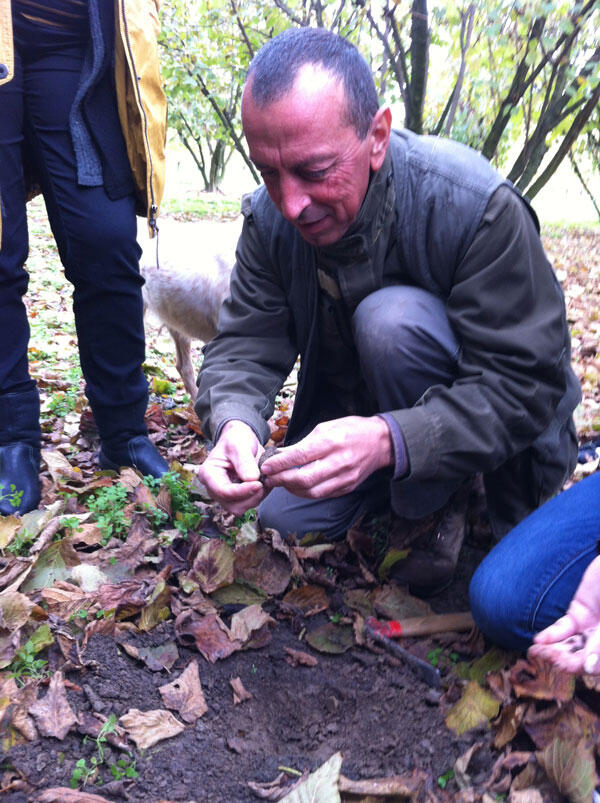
[186,288]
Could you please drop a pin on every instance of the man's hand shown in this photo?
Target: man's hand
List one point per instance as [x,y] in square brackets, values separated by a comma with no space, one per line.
[333,459]
[230,472]
[572,643]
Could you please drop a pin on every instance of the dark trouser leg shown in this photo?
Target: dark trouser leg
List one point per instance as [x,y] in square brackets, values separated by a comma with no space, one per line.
[19,402]
[96,238]
[405,346]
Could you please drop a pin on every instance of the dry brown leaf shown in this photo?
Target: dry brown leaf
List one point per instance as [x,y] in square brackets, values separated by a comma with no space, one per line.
[571,767]
[246,622]
[571,722]
[208,633]
[213,565]
[394,602]
[297,657]
[395,786]
[508,724]
[146,728]
[59,467]
[240,694]
[271,790]
[308,599]
[259,565]
[62,794]
[313,552]
[53,714]
[184,694]
[539,679]
[64,599]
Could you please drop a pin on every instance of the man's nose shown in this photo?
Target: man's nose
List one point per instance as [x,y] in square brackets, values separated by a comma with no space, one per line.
[293,198]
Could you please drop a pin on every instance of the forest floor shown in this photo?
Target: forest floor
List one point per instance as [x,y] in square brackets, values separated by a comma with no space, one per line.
[154,648]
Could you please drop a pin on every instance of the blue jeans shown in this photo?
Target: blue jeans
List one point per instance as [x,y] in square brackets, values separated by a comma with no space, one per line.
[528,580]
[405,345]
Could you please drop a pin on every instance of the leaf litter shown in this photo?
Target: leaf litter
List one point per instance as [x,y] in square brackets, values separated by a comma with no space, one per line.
[154,614]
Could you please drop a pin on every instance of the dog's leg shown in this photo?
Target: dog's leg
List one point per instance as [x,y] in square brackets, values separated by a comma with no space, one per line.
[184,362]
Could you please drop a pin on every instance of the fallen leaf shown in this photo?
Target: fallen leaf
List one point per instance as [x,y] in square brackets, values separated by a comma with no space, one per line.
[63,794]
[240,694]
[394,602]
[541,680]
[146,728]
[461,766]
[155,658]
[359,601]
[391,558]
[570,722]
[237,594]
[313,552]
[158,609]
[331,638]
[476,707]
[245,622]
[271,790]
[396,786]
[297,657]
[321,785]
[53,714]
[571,768]
[60,468]
[492,661]
[258,565]
[184,694]
[8,529]
[508,724]
[213,565]
[209,634]
[54,563]
[65,599]
[308,599]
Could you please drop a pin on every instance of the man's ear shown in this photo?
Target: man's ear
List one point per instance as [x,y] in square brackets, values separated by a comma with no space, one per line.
[380,136]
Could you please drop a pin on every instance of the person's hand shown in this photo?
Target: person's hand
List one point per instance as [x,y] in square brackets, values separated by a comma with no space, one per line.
[572,643]
[333,459]
[230,472]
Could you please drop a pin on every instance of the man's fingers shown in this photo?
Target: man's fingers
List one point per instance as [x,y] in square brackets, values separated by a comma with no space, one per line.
[591,664]
[561,629]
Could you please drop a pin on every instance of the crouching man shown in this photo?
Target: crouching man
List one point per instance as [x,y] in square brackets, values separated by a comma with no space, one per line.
[411,279]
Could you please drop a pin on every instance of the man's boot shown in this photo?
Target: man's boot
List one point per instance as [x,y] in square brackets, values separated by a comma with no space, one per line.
[429,567]
[20,442]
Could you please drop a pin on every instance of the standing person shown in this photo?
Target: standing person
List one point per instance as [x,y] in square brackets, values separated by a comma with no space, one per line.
[411,279]
[83,116]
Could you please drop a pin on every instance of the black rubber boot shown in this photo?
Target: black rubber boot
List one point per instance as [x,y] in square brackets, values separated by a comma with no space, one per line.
[138,452]
[20,440]
[124,439]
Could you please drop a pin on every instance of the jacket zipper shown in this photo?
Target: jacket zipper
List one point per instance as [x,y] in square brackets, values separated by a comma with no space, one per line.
[153,207]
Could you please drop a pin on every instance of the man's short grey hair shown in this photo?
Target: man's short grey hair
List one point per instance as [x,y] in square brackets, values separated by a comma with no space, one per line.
[273,71]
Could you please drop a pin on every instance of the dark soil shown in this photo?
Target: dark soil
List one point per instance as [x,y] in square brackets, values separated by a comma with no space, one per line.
[363,703]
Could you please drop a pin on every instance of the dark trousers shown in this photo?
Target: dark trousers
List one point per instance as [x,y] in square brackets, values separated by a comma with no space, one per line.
[96,239]
[405,345]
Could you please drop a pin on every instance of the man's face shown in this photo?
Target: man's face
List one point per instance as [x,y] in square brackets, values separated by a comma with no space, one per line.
[315,167]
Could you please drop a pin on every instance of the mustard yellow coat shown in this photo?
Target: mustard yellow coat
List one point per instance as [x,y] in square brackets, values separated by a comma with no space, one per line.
[140,98]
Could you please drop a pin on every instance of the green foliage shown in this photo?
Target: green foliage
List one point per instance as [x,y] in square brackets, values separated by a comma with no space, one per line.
[186,515]
[212,208]
[85,773]
[107,506]
[25,666]
[13,496]
[443,779]
[19,546]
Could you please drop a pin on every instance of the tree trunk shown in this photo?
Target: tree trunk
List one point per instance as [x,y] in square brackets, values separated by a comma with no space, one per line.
[419,65]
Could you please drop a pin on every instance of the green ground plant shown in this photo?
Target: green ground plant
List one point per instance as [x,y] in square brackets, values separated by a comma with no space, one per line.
[84,773]
[25,666]
[13,496]
[107,506]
